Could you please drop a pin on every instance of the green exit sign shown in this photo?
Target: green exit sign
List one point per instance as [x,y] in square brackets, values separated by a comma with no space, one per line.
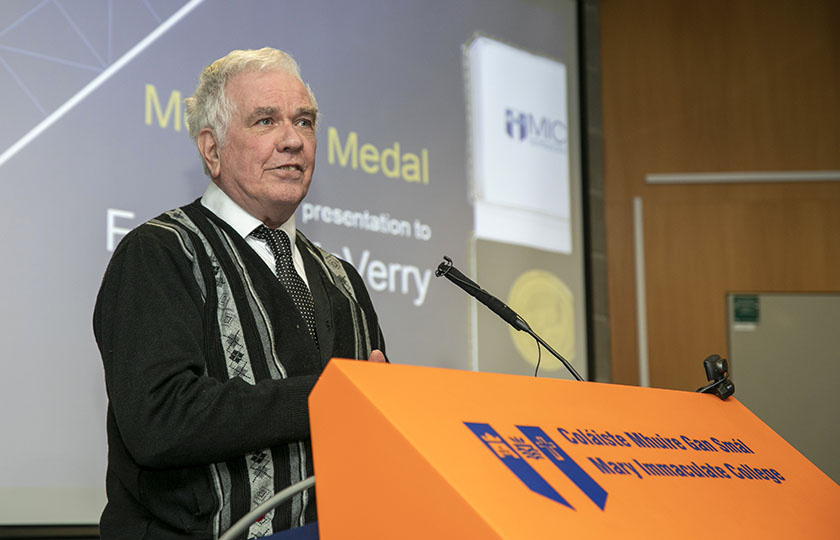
[746,308]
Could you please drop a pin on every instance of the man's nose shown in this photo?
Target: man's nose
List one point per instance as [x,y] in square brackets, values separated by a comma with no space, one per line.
[288,139]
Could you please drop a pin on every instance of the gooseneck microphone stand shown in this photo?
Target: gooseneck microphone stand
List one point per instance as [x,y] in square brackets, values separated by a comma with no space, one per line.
[447,270]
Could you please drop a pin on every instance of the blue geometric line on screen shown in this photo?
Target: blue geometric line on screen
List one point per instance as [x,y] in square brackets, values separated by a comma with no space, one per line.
[79,32]
[98,81]
[23,86]
[54,59]
[152,11]
[23,17]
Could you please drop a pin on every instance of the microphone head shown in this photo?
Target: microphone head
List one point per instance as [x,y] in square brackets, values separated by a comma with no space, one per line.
[443,267]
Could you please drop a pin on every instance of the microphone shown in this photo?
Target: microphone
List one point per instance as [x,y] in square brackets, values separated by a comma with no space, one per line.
[498,307]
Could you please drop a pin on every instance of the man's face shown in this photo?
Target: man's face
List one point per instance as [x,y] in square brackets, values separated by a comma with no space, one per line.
[268,158]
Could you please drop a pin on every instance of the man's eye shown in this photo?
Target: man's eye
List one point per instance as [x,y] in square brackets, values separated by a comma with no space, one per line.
[305,122]
[264,122]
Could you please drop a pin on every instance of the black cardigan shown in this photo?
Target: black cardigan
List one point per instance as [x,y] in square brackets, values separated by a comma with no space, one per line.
[208,366]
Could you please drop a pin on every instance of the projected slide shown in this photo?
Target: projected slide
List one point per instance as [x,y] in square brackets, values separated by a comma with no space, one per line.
[93,143]
[520,146]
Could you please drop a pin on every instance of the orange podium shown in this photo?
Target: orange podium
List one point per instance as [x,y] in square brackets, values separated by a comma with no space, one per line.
[406,452]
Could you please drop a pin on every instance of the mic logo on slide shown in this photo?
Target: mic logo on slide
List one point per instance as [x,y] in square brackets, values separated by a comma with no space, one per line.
[517,124]
[537,130]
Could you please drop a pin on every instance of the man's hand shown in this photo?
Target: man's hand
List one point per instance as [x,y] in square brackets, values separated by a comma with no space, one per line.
[376,356]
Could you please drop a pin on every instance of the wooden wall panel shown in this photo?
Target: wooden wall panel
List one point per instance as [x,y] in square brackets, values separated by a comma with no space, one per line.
[699,249]
[736,85]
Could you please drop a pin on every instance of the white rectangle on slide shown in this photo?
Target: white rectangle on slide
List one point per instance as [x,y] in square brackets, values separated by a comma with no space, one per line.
[519,146]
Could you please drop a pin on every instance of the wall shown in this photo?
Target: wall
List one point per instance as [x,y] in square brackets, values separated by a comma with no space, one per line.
[715,86]
[788,356]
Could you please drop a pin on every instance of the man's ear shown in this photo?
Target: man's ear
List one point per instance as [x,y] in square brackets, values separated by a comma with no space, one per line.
[209,150]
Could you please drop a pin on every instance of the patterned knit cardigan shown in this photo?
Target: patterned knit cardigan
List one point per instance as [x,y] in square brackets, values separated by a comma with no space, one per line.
[208,365]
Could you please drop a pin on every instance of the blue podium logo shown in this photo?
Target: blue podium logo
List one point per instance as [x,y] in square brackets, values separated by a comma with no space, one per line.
[536,444]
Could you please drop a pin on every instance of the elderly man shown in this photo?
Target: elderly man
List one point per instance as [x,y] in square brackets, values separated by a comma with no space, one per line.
[215,319]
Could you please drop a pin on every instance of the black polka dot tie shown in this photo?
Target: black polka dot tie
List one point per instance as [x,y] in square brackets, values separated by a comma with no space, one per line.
[280,245]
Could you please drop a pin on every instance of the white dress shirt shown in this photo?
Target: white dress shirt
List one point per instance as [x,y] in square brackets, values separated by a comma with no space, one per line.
[218,202]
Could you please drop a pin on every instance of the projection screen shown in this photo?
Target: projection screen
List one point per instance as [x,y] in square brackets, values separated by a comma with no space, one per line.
[447,128]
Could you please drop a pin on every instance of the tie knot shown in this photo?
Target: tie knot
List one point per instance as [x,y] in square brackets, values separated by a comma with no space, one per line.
[277,240]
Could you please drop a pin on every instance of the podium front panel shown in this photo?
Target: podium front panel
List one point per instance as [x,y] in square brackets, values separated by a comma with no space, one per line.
[412,452]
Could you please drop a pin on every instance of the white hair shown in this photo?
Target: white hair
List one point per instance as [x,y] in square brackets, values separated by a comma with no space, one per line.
[210,107]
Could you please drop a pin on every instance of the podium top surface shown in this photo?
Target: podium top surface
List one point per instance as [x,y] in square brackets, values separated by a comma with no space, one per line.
[532,457]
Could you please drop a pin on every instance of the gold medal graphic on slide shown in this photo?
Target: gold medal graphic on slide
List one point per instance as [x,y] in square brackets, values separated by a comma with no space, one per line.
[546,303]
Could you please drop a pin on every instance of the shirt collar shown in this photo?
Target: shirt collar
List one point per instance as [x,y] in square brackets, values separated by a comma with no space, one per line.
[218,202]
